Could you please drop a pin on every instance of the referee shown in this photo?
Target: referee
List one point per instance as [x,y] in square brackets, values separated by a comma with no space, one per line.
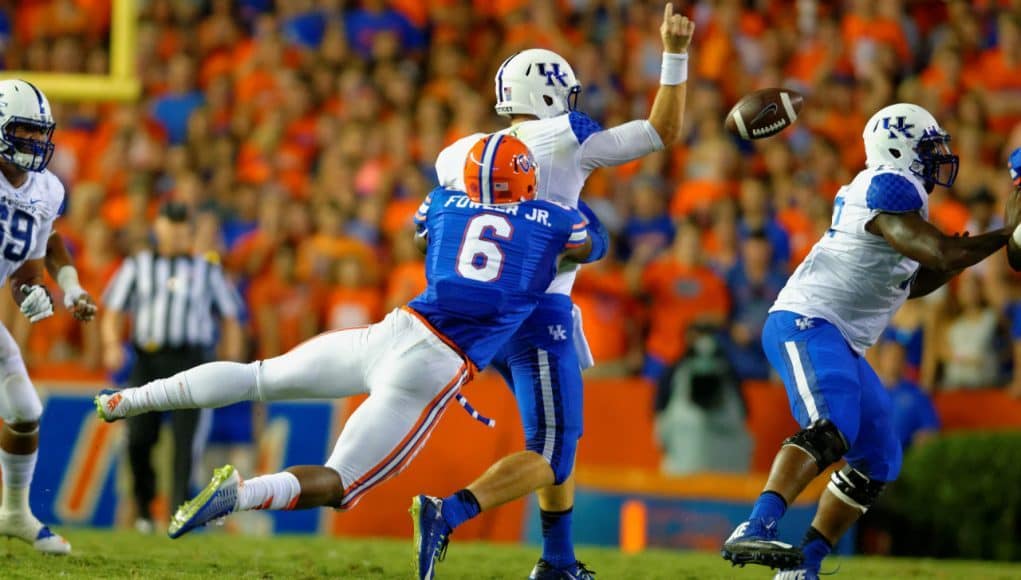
[173,299]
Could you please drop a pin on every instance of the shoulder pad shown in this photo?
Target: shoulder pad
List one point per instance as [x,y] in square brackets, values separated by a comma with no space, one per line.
[582,125]
[893,192]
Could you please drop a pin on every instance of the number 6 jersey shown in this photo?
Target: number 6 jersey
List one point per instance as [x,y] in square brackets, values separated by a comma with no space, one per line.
[852,278]
[488,265]
[26,219]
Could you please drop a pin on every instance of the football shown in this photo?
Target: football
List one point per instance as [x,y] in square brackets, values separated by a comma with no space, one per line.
[764,113]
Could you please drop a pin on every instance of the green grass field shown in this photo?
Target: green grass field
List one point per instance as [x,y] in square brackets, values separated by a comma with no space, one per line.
[100,554]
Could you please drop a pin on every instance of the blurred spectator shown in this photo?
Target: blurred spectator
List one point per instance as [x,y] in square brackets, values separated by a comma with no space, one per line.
[754,285]
[914,415]
[968,351]
[648,224]
[681,291]
[700,419]
[181,99]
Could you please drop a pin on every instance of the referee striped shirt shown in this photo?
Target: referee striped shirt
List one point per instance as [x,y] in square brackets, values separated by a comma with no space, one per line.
[173,301]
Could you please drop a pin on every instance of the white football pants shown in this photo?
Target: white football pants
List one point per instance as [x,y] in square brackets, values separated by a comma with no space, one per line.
[19,402]
[408,371]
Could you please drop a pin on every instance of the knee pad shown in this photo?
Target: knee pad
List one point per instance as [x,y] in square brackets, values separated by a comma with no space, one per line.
[21,404]
[855,488]
[822,440]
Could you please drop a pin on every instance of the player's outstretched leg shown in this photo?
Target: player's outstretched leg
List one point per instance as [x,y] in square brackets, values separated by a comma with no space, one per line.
[299,487]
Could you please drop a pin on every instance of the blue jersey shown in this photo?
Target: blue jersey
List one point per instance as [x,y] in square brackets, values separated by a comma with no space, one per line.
[487,266]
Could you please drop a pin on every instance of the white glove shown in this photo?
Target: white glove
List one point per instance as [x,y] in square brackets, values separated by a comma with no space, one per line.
[37,304]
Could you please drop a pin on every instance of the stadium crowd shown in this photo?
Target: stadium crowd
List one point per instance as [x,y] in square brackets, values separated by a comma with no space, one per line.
[303,133]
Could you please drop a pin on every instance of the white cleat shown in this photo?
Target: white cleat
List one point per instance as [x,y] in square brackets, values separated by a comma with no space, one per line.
[27,528]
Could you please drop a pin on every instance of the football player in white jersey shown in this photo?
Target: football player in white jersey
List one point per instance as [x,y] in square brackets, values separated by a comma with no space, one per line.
[31,198]
[536,90]
[879,251]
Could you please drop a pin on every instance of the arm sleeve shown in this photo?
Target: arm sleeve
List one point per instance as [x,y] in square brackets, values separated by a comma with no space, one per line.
[421,215]
[597,232]
[579,231]
[226,299]
[122,286]
[617,145]
[893,193]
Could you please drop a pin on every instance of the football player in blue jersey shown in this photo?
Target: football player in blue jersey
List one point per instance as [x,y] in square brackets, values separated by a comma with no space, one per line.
[879,251]
[490,254]
[537,91]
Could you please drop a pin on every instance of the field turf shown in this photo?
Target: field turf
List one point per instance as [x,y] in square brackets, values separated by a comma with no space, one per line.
[103,554]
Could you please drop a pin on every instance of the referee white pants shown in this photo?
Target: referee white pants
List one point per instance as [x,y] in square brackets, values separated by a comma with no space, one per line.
[409,372]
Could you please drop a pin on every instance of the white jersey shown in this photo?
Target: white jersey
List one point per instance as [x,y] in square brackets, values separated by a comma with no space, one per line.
[27,214]
[567,148]
[852,278]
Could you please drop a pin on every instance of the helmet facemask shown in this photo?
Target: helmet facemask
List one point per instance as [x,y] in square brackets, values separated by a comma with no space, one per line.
[935,164]
[28,153]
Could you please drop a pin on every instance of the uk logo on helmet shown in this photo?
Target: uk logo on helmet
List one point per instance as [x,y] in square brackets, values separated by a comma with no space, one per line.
[900,126]
[552,71]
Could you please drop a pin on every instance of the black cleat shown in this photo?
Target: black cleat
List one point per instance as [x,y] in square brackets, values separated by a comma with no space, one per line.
[755,542]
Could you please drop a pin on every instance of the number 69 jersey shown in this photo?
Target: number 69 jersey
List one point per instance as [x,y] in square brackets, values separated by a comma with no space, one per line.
[852,278]
[487,266]
[26,219]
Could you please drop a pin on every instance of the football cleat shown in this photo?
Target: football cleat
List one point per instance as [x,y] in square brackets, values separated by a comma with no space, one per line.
[432,534]
[545,571]
[218,500]
[27,528]
[755,542]
[107,403]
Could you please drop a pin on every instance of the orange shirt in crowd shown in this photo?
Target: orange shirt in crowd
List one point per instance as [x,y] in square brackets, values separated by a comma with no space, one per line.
[697,194]
[995,73]
[352,307]
[398,215]
[404,282]
[949,215]
[252,254]
[881,30]
[606,307]
[293,307]
[800,232]
[317,253]
[680,296]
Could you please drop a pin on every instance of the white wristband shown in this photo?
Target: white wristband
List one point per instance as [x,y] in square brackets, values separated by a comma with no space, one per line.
[67,278]
[1016,236]
[674,70]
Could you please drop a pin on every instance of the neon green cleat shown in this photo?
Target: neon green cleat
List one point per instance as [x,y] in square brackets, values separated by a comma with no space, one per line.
[218,500]
[107,403]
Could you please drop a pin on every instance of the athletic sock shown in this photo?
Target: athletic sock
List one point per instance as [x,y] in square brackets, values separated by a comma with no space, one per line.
[770,506]
[210,385]
[17,479]
[459,508]
[557,548]
[815,547]
[278,491]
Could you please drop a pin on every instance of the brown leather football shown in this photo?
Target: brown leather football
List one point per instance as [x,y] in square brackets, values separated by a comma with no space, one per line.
[764,113]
